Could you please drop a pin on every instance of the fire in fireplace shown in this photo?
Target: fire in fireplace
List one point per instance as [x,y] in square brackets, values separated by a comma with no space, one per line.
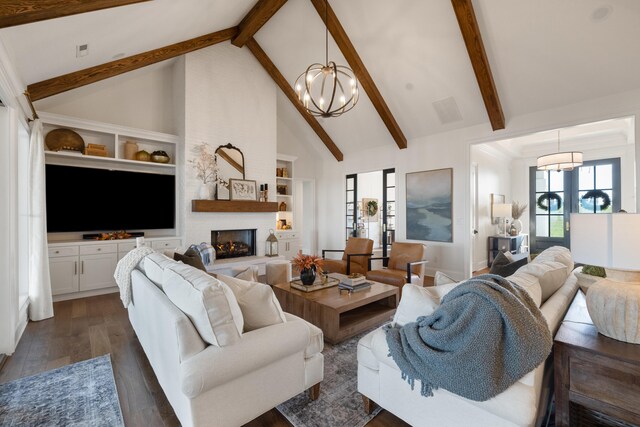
[234,243]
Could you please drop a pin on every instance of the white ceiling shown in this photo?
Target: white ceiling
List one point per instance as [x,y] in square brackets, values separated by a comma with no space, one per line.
[543,53]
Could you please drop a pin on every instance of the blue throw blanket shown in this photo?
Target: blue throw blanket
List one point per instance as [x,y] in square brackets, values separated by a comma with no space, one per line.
[486,334]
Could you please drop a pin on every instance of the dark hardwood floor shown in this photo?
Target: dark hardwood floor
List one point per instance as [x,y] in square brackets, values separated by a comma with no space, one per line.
[90,327]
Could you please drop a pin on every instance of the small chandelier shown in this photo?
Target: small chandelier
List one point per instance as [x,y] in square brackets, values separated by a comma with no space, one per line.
[565,161]
[327,90]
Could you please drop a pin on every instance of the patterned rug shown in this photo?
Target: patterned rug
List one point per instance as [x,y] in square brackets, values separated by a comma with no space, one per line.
[82,394]
[339,403]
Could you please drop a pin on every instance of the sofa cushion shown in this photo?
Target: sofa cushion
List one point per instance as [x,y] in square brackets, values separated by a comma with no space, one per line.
[154,265]
[550,274]
[557,254]
[529,283]
[258,303]
[419,301]
[503,266]
[207,302]
[190,257]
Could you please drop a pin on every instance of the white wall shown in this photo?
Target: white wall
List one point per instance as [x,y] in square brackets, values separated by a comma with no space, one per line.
[141,99]
[452,149]
[494,176]
[229,98]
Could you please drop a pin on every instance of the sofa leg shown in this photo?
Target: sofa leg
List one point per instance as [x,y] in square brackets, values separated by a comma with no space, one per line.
[369,405]
[314,392]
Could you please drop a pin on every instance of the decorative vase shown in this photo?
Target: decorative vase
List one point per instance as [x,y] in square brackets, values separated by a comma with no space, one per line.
[308,276]
[517,224]
[614,307]
[206,191]
[130,150]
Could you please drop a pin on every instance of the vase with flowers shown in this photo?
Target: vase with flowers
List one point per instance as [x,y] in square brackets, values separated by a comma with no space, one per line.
[205,165]
[309,266]
[517,209]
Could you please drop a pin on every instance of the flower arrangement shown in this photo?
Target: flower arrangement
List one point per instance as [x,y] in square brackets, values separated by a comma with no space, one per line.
[205,164]
[306,262]
[517,209]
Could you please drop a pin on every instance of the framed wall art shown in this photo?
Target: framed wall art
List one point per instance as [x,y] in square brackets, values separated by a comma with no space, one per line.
[242,189]
[429,205]
[495,200]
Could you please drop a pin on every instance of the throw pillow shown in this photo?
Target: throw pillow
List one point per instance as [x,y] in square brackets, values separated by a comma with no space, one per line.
[250,274]
[529,283]
[557,254]
[154,265]
[190,257]
[419,301]
[258,303]
[207,302]
[550,274]
[503,267]
[442,279]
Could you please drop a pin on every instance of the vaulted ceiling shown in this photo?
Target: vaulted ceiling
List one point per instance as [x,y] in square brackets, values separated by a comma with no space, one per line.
[543,53]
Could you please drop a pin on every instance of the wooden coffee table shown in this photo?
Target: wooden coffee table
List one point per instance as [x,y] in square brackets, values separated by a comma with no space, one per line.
[339,314]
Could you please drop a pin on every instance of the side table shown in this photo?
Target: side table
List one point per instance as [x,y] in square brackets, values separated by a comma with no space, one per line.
[597,379]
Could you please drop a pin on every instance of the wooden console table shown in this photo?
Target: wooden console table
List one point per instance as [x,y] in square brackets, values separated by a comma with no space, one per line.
[597,379]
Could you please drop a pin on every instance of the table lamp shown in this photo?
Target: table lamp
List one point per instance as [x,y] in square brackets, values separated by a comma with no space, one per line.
[611,241]
[502,210]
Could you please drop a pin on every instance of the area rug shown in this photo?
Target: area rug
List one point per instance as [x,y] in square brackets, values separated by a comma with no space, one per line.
[339,403]
[82,394]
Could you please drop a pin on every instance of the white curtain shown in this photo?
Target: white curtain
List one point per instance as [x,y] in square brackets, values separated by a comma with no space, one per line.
[40,300]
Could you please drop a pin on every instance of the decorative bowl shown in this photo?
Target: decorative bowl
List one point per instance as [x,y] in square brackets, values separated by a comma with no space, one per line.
[160,157]
[64,139]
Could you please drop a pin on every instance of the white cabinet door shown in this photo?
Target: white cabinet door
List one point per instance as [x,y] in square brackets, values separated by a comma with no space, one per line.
[96,271]
[64,274]
[289,248]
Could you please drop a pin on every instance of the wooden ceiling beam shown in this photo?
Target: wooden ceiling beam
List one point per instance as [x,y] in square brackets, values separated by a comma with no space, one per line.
[473,41]
[352,57]
[279,79]
[259,14]
[90,75]
[20,12]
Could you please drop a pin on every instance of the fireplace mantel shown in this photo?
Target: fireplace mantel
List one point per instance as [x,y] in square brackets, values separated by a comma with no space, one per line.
[232,206]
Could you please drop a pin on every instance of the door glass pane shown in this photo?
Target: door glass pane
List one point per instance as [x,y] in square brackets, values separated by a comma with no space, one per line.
[557,226]
[604,176]
[584,205]
[350,184]
[544,203]
[391,180]
[585,177]
[556,202]
[542,184]
[391,194]
[599,203]
[349,196]
[542,226]
[556,181]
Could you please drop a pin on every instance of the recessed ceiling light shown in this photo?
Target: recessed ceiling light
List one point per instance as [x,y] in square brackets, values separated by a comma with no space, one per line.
[118,55]
[601,13]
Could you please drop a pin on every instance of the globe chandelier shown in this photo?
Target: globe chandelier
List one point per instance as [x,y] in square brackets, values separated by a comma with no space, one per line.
[327,90]
[560,161]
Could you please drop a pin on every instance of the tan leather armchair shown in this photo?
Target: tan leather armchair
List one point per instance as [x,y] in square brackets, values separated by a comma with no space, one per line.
[406,265]
[354,260]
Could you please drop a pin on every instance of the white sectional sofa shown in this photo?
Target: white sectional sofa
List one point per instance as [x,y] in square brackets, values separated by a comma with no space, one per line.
[549,280]
[220,385]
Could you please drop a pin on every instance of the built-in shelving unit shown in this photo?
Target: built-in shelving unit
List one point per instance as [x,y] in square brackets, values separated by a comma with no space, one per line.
[285,199]
[113,137]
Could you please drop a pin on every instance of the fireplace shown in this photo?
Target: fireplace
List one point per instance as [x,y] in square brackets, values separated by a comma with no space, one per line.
[234,243]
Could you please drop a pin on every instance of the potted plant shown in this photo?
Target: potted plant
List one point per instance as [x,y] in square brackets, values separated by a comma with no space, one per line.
[517,209]
[205,165]
[589,275]
[308,265]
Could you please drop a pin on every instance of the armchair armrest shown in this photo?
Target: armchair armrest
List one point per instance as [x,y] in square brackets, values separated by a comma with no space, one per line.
[331,250]
[349,260]
[214,366]
[375,259]
[412,264]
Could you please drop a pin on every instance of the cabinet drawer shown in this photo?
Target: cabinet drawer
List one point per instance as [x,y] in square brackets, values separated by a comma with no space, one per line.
[98,249]
[59,251]
[126,247]
[286,236]
[166,244]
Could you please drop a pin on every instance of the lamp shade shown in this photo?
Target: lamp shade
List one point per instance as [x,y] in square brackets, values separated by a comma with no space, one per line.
[502,210]
[560,161]
[606,240]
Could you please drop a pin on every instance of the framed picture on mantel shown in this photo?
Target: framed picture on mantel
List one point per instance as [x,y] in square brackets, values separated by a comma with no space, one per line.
[243,189]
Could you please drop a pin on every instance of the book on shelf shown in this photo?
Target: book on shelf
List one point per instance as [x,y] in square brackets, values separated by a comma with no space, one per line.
[352,281]
[354,288]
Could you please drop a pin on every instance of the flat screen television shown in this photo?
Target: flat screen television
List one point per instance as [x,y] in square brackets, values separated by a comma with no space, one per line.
[89,199]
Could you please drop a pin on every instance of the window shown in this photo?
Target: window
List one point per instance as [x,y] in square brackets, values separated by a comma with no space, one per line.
[597,187]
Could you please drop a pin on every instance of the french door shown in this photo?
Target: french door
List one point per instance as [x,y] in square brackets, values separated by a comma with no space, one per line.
[352,205]
[593,187]
[388,211]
